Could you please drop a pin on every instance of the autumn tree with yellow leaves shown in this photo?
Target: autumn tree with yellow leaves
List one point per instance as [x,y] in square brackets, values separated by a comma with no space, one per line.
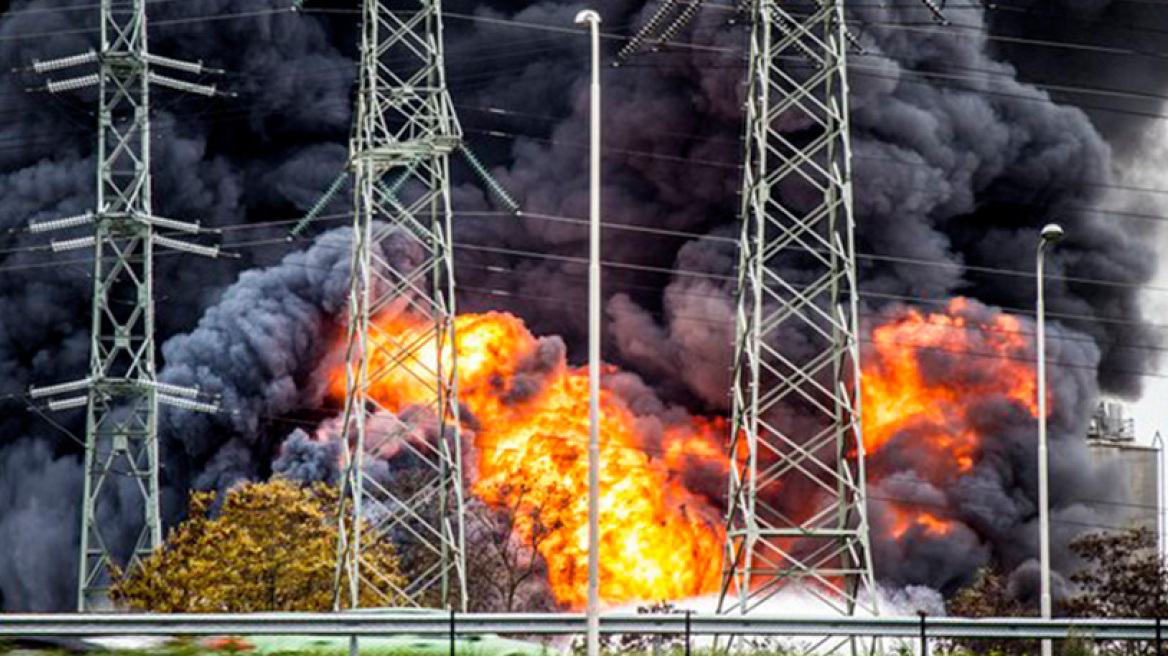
[267,547]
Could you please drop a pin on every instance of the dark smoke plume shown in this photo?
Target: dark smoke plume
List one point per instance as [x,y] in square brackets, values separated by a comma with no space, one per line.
[39,497]
[256,348]
[959,160]
[306,460]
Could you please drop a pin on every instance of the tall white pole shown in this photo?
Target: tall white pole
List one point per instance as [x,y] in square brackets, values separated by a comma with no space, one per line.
[592,19]
[1158,444]
[1050,234]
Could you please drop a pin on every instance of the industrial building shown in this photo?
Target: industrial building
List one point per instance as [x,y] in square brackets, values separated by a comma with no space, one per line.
[1112,440]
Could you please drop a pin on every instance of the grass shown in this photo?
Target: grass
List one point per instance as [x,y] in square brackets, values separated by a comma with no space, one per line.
[768,647]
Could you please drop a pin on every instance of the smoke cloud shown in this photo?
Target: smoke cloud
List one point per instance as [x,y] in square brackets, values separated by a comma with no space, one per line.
[306,460]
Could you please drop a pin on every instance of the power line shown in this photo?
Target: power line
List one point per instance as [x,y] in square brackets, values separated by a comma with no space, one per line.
[79,7]
[983,32]
[497,133]
[933,29]
[939,79]
[912,345]
[663,270]
[929,28]
[939,321]
[697,274]
[173,21]
[737,141]
[1016,310]
[1060,17]
[714,163]
[867,256]
[906,298]
[1096,185]
[729,240]
[655,453]
[565,30]
[21,143]
[610,152]
[666,271]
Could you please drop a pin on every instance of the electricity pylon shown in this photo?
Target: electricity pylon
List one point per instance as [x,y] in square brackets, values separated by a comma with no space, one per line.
[121,392]
[796,402]
[404,132]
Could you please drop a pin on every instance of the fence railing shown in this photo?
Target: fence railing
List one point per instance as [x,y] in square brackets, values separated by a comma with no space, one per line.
[679,624]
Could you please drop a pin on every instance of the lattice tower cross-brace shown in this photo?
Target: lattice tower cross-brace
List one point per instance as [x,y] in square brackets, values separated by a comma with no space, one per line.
[121,393]
[404,132]
[795,421]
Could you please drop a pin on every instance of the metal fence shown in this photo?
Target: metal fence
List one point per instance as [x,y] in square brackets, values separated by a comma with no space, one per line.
[680,624]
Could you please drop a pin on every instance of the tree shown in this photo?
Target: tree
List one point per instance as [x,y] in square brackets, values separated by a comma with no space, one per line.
[505,570]
[268,547]
[990,595]
[1125,576]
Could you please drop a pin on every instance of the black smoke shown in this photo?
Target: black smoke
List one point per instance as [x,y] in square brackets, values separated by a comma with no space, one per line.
[959,159]
[309,461]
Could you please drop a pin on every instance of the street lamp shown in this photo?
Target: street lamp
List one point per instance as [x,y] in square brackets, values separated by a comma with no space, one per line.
[592,19]
[1158,445]
[1050,234]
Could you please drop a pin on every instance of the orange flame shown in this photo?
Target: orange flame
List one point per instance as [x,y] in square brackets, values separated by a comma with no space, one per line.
[659,540]
[925,522]
[901,396]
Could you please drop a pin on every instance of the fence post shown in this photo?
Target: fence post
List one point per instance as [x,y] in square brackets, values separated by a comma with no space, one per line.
[1159,638]
[452,632]
[688,613]
[924,636]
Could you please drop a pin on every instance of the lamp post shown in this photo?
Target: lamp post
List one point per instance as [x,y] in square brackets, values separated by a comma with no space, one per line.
[592,19]
[1158,445]
[1050,234]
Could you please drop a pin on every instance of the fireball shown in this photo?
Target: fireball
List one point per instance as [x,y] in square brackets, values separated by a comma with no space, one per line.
[528,413]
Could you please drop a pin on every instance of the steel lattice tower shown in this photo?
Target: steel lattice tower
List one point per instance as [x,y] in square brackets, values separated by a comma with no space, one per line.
[404,133]
[121,392]
[796,403]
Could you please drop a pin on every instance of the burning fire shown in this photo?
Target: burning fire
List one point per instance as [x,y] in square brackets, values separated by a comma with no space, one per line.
[660,539]
[529,415]
[925,522]
[912,388]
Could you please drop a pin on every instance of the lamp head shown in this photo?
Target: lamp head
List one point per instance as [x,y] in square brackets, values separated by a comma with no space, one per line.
[588,16]
[1052,233]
